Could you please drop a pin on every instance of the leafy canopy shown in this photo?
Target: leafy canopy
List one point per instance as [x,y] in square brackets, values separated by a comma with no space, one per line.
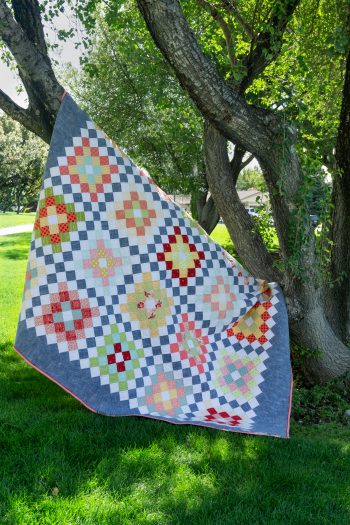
[22,157]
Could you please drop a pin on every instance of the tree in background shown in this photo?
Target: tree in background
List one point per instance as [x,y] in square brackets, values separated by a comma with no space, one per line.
[251,178]
[242,63]
[125,75]
[22,157]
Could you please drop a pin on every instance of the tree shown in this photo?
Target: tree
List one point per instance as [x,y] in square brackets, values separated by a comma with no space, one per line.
[22,157]
[251,178]
[315,320]
[124,74]
[222,86]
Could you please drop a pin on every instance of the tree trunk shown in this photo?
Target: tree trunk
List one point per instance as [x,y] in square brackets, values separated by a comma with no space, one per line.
[203,208]
[340,263]
[24,37]
[206,212]
[209,216]
[272,143]
[309,326]
[313,331]
[241,227]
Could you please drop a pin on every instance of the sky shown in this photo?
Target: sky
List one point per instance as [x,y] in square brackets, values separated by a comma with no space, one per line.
[8,84]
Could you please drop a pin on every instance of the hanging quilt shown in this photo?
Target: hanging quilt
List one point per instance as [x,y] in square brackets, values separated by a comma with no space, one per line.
[133,309]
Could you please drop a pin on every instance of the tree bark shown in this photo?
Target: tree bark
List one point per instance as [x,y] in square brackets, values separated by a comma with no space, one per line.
[247,241]
[208,216]
[24,38]
[339,306]
[313,331]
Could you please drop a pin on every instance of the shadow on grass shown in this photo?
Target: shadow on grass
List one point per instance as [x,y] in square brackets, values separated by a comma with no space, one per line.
[62,464]
[15,247]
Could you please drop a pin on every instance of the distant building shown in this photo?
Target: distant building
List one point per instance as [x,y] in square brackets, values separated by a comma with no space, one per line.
[251,199]
[183,200]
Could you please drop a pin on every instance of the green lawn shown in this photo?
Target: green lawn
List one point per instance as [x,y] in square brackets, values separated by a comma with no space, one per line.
[221,236]
[12,219]
[61,464]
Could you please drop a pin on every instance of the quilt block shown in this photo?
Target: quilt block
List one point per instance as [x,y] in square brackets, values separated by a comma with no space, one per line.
[132,308]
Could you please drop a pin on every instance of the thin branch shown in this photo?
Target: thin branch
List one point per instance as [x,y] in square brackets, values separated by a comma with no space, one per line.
[247,161]
[256,13]
[266,45]
[233,9]
[23,116]
[223,25]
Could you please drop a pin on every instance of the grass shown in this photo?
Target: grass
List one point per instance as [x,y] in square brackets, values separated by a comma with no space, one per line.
[12,219]
[221,236]
[61,464]
[13,259]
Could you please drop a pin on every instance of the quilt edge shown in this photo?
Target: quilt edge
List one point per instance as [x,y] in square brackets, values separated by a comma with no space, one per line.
[286,436]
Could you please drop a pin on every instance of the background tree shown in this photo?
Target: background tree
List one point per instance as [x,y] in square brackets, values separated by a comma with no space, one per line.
[251,178]
[219,52]
[124,74]
[22,157]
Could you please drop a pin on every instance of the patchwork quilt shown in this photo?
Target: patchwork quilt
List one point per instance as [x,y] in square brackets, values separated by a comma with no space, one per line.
[134,310]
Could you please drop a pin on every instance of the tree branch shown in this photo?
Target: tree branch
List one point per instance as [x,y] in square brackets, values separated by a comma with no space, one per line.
[223,25]
[233,9]
[224,107]
[13,110]
[44,91]
[27,14]
[236,163]
[265,46]
[246,162]
[247,240]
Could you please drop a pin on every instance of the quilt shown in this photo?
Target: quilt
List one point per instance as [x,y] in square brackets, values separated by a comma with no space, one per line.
[133,309]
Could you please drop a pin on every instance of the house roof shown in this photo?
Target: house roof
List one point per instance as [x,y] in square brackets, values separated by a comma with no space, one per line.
[251,194]
[245,195]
